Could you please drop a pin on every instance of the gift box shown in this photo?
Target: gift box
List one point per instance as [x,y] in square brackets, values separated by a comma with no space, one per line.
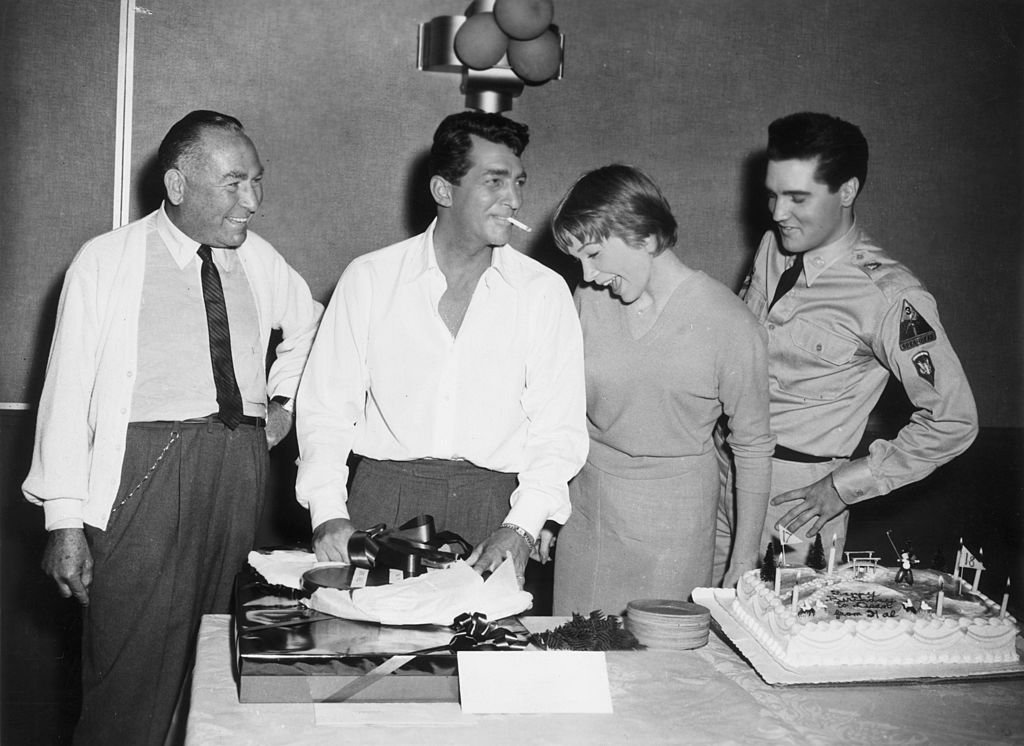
[286,652]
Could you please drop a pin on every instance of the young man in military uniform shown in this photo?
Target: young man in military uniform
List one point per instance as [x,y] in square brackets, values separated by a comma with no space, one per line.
[841,315]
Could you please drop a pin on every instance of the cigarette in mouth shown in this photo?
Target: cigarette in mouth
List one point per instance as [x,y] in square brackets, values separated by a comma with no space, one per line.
[520,225]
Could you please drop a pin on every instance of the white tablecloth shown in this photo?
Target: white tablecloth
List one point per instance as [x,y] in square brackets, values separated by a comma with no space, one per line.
[710,695]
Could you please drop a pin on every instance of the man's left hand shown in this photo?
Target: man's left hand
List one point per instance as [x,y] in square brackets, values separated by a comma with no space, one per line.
[279,423]
[492,551]
[818,503]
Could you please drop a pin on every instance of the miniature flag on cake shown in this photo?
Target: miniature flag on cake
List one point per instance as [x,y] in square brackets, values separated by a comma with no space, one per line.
[966,559]
[788,538]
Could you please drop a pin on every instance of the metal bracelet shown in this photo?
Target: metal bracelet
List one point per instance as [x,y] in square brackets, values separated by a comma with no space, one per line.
[523,533]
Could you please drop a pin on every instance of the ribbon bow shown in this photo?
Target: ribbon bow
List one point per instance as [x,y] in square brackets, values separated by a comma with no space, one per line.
[411,548]
[474,632]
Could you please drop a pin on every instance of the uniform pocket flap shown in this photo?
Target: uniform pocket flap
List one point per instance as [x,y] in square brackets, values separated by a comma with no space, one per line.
[822,343]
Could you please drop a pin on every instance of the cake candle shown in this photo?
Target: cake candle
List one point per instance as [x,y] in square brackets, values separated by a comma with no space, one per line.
[832,556]
[938,603]
[796,593]
[1006,600]
[778,581]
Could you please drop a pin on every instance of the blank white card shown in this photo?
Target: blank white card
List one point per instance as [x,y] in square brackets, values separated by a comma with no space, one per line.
[550,681]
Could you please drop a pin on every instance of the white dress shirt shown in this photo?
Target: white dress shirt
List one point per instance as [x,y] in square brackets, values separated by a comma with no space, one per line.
[386,379]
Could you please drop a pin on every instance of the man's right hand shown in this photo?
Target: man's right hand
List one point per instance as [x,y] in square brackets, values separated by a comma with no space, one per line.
[330,540]
[68,561]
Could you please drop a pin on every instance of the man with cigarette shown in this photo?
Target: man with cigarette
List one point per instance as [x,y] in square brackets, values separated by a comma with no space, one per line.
[452,365]
[842,316]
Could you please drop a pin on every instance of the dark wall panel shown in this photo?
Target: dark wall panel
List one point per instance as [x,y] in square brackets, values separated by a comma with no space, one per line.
[330,91]
[58,77]
[684,89]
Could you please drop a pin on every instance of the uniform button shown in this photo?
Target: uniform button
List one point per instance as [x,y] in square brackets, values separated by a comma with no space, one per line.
[129,374]
[817,261]
[771,327]
[817,348]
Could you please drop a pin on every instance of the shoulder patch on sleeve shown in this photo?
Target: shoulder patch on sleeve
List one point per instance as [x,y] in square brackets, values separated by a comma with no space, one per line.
[925,368]
[914,330]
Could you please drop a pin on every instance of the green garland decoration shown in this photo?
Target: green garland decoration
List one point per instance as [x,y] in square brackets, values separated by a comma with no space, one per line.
[596,632]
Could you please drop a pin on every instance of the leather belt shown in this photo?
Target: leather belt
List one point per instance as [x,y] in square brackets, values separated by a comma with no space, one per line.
[244,420]
[788,454]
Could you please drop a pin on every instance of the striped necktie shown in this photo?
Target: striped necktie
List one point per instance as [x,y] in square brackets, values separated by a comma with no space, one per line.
[788,279]
[229,398]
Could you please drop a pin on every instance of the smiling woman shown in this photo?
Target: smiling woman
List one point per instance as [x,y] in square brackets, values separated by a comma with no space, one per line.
[625,270]
[667,351]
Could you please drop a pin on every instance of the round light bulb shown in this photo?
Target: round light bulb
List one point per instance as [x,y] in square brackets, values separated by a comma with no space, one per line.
[536,60]
[479,43]
[523,19]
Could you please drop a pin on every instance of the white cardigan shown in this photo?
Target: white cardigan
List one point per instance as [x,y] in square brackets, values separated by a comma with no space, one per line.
[86,400]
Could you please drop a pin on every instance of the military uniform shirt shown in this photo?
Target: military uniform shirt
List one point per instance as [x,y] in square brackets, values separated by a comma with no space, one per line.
[854,316]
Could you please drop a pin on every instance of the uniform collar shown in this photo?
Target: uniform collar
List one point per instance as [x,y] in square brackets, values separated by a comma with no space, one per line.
[818,260]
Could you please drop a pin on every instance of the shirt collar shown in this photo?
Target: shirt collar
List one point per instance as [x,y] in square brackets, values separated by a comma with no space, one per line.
[503,266]
[424,261]
[818,260]
[184,249]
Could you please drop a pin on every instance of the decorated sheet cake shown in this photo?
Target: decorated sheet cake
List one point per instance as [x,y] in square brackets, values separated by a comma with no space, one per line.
[863,614]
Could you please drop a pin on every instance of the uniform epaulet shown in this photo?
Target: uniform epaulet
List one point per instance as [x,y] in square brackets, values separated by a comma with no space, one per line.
[891,277]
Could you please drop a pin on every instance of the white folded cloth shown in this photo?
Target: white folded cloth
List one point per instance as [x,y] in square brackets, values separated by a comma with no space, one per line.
[283,566]
[436,597]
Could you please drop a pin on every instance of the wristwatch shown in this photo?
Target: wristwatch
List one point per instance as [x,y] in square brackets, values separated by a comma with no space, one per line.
[523,534]
[286,403]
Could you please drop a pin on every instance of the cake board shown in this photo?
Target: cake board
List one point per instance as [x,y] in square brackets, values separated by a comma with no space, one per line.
[719,602]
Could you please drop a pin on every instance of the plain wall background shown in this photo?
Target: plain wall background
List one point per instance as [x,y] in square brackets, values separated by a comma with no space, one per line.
[330,93]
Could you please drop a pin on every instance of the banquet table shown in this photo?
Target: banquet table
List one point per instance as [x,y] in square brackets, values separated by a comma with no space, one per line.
[708,695]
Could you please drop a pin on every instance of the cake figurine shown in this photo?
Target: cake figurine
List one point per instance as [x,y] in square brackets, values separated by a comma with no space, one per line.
[906,560]
[905,573]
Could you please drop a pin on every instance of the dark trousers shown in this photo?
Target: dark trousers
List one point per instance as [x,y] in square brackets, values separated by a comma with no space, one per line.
[466,499]
[183,523]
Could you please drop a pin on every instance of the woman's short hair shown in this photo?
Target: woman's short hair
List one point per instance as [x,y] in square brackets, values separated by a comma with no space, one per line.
[615,200]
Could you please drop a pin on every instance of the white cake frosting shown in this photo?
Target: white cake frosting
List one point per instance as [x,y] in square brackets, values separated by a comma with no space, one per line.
[858,617]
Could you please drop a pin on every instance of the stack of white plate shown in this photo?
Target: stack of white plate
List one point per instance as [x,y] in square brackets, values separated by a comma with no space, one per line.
[667,624]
